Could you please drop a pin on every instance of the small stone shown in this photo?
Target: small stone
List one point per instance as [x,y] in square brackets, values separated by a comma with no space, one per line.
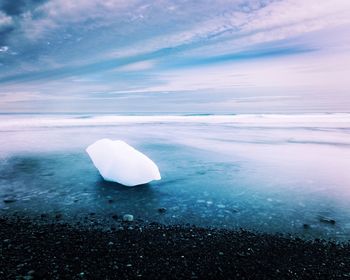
[162,210]
[58,216]
[31,272]
[9,200]
[327,220]
[48,174]
[128,218]
[110,243]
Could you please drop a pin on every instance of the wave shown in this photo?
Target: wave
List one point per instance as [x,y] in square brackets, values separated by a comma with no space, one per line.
[316,121]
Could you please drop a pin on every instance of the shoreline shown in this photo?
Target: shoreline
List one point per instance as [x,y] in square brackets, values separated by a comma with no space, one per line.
[61,251]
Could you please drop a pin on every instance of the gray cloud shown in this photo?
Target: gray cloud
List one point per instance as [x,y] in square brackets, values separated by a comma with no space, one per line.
[4,33]
[17,7]
[13,10]
[75,47]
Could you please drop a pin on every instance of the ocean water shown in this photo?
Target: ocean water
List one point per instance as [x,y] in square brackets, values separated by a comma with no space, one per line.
[270,173]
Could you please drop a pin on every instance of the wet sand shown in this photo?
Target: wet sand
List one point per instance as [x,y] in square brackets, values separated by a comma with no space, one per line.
[56,250]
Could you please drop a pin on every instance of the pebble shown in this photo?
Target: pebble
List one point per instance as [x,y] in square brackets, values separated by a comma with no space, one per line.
[228,254]
[128,218]
[327,220]
[9,200]
[58,216]
[162,210]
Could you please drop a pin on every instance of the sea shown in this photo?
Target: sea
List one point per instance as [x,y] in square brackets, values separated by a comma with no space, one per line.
[273,173]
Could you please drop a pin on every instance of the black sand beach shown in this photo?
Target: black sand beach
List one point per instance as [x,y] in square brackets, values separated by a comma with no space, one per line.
[31,250]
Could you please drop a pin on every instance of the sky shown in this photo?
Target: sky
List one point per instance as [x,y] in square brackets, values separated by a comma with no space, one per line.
[159,56]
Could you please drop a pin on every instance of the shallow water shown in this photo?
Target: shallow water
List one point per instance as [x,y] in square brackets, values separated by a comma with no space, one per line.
[271,173]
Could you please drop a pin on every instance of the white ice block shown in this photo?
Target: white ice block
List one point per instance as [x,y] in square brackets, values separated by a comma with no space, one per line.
[119,162]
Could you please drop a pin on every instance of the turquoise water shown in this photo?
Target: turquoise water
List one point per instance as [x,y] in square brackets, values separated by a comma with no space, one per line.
[260,172]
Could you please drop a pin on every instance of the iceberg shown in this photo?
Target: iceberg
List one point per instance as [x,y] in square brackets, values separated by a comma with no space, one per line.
[119,162]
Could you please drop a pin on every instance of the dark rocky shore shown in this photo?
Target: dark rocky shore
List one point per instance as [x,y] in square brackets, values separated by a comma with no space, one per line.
[31,250]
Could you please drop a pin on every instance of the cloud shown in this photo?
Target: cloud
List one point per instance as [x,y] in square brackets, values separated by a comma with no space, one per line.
[137,66]
[84,47]
[5,20]
[4,49]
[6,27]
[55,14]
[11,16]
[13,97]
[15,8]
[277,21]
